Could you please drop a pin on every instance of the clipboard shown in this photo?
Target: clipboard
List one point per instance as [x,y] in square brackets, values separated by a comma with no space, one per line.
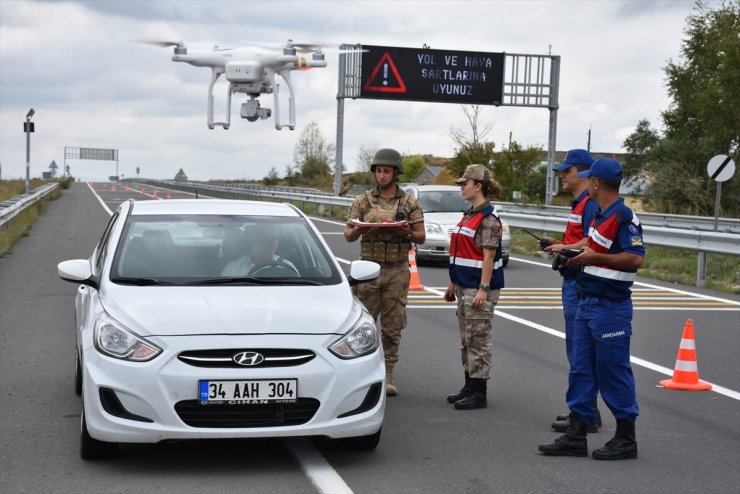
[379,225]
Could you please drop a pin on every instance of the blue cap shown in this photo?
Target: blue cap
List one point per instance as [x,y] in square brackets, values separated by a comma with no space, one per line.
[605,169]
[574,157]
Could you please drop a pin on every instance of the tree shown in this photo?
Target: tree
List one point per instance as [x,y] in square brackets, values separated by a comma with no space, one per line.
[412,165]
[520,168]
[636,163]
[471,148]
[312,154]
[272,177]
[365,156]
[702,119]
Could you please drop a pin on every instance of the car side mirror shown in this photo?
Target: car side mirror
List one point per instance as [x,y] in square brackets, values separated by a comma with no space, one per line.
[363,271]
[77,271]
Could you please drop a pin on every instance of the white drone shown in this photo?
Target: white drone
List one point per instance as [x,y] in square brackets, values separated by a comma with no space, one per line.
[250,70]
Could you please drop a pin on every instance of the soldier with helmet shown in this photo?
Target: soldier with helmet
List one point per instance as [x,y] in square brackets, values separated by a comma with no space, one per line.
[388,246]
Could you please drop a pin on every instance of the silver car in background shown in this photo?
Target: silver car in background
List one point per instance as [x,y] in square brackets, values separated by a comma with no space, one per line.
[443,206]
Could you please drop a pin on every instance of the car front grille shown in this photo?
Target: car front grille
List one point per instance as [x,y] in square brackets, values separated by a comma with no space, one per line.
[224,358]
[232,416]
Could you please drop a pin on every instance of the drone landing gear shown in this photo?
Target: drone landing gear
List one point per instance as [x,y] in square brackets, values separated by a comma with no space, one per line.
[215,74]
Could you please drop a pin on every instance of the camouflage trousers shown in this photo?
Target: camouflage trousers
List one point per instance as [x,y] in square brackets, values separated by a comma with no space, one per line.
[476,330]
[387,297]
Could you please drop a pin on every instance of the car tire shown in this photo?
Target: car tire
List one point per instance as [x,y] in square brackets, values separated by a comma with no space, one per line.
[505,261]
[78,373]
[90,448]
[365,443]
[419,260]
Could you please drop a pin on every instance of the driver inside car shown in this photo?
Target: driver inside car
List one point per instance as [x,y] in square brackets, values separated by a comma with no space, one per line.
[265,240]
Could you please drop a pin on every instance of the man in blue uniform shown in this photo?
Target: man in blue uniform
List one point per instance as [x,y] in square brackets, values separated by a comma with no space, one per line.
[582,213]
[603,325]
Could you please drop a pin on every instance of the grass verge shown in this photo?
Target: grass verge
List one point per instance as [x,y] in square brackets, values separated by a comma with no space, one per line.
[21,224]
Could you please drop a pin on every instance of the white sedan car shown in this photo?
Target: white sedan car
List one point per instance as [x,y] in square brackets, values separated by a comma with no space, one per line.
[221,319]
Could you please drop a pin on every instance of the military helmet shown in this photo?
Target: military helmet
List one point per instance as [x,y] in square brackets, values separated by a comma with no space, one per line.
[387,157]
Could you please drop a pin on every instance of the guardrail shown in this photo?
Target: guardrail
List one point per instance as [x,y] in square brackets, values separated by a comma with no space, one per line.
[696,234]
[10,208]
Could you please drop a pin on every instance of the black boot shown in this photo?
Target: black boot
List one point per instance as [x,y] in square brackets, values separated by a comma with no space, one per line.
[561,424]
[572,443]
[476,397]
[622,446]
[463,392]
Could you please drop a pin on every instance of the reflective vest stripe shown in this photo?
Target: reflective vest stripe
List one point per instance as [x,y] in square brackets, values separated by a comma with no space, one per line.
[610,274]
[471,263]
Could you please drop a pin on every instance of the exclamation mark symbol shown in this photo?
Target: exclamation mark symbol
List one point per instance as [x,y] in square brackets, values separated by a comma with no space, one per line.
[385,74]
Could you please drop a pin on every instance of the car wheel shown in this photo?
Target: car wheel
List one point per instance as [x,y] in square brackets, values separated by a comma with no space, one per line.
[366,443]
[505,261]
[90,448]
[78,373]
[419,260]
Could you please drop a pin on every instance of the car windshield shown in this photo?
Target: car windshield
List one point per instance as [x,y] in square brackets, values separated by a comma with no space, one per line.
[442,201]
[220,250]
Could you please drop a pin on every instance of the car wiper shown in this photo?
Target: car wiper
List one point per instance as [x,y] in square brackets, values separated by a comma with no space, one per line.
[296,281]
[254,281]
[139,281]
[227,280]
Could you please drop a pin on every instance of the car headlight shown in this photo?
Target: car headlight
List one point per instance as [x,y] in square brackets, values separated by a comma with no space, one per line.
[360,340]
[505,228]
[112,339]
[434,228]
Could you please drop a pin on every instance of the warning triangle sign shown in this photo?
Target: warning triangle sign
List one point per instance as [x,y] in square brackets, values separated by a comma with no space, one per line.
[385,77]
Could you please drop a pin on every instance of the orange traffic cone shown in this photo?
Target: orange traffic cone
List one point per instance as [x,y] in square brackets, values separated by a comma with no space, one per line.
[143,191]
[154,195]
[414,282]
[686,372]
[169,196]
[126,189]
[113,187]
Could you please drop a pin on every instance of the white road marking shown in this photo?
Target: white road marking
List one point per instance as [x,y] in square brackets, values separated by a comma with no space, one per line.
[319,471]
[102,203]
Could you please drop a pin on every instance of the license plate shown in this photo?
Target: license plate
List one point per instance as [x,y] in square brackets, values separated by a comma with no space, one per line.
[251,392]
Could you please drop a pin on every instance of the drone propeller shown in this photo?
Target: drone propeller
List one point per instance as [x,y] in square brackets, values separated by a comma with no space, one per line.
[159,42]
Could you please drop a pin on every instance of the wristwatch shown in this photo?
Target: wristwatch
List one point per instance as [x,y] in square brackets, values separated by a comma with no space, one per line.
[483,287]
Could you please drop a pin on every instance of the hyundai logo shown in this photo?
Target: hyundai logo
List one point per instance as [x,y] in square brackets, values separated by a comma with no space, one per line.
[248,359]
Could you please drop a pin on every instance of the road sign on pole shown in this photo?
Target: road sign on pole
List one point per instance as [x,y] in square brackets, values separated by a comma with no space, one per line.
[721,168]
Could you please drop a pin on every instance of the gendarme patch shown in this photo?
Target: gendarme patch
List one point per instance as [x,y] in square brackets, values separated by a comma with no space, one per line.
[612,335]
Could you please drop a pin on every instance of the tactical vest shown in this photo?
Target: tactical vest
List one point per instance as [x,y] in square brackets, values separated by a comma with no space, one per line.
[574,230]
[466,259]
[602,280]
[382,245]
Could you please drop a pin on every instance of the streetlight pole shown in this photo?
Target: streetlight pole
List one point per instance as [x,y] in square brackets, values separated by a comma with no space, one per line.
[28,128]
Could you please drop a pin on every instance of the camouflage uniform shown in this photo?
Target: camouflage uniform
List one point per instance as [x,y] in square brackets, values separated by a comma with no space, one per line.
[476,325]
[387,295]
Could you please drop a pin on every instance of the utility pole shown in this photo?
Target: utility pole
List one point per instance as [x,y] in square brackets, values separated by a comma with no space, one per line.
[28,128]
[588,144]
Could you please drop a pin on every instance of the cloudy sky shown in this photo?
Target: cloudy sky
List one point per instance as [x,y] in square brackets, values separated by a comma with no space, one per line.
[75,64]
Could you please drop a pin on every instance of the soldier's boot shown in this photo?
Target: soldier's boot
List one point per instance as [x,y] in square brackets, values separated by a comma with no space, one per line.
[622,446]
[572,443]
[562,421]
[390,388]
[463,392]
[476,397]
